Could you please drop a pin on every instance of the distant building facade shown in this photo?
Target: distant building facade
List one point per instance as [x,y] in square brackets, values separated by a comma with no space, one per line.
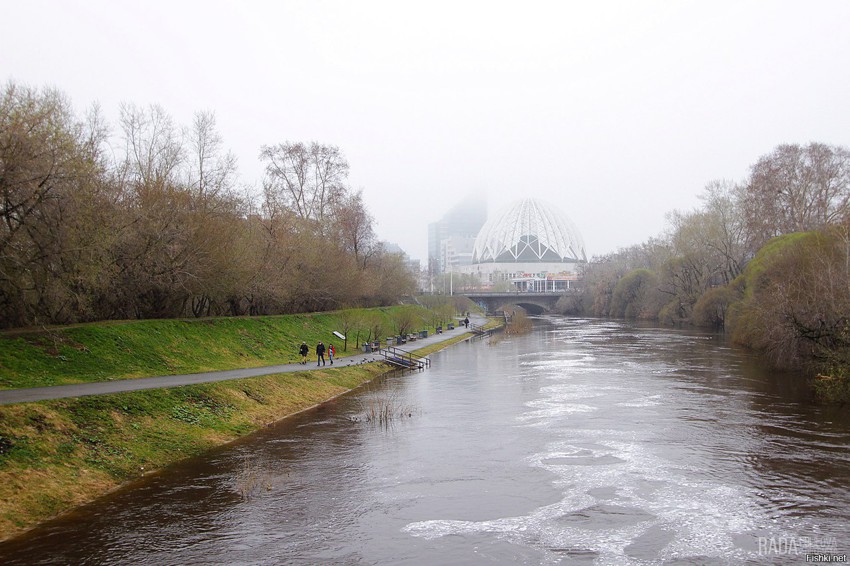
[531,246]
[451,239]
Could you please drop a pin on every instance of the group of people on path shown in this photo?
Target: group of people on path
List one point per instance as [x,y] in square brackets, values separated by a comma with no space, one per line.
[304,350]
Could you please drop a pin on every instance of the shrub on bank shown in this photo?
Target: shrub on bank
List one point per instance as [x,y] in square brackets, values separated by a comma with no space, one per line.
[518,324]
[711,308]
[796,300]
[832,388]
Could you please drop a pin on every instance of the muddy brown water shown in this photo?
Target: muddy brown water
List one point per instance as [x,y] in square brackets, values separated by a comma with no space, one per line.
[584,442]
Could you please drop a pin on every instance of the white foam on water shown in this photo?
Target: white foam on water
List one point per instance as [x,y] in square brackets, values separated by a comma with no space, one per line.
[703,516]
[560,401]
[560,364]
[548,411]
[645,401]
[616,488]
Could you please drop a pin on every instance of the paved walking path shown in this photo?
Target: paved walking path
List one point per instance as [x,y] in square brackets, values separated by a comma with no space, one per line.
[10,396]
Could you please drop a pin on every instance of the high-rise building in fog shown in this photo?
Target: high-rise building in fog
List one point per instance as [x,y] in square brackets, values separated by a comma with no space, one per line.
[451,239]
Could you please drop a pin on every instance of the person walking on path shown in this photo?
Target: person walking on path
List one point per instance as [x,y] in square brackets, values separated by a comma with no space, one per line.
[304,350]
[320,354]
[331,353]
[466,321]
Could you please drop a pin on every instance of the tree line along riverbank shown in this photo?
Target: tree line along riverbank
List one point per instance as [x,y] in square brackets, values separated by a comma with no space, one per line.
[148,218]
[55,455]
[767,259]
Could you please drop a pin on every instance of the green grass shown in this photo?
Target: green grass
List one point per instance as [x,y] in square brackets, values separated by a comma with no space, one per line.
[101,352]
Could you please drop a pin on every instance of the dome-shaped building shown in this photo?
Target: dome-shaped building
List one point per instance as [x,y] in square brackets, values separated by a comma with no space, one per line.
[531,244]
[529,231]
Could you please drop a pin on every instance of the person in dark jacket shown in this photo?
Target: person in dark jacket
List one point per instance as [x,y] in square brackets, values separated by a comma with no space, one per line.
[304,350]
[320,354]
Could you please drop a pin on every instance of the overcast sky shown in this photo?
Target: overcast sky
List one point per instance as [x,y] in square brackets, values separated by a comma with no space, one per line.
[616,112]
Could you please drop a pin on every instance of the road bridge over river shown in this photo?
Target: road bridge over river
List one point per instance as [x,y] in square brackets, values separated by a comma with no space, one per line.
[533,302]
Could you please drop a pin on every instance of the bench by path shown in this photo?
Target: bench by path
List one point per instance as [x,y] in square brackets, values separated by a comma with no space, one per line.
[10,396]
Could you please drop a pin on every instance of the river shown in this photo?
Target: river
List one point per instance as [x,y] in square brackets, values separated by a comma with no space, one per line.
[584,442]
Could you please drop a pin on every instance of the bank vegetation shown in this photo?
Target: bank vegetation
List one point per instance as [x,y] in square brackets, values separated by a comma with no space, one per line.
[766,258]
[147,218]
[518,323]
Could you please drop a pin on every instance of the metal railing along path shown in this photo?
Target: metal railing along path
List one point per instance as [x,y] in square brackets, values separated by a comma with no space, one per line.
[403,358]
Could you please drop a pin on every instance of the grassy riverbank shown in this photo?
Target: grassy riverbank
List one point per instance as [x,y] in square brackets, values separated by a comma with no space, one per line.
[145,348]
[56,455]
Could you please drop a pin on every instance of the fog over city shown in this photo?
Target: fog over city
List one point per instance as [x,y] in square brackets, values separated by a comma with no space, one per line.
[616,112]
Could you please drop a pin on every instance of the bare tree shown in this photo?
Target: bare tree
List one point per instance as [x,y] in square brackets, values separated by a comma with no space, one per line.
[726,234]
[38,145]
[406,320]
[797,188]
[211,170]
[306,180]
[154,254]
[353,227]
[154,151]
[50,165]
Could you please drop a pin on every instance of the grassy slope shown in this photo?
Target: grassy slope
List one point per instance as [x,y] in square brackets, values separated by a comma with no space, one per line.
[99,352]
[55,455]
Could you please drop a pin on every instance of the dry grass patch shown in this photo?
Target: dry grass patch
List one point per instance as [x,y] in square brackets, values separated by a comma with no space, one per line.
[253,478]
[26,493]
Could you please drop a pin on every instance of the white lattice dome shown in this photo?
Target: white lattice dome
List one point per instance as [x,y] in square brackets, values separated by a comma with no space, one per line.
[529,231]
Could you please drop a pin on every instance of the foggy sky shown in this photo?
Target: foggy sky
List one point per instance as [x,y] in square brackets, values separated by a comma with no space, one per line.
[617,112]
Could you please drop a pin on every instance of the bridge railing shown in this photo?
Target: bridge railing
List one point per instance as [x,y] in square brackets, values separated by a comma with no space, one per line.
[513,293]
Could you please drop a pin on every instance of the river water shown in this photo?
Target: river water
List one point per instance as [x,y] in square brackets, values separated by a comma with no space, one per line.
[584,442]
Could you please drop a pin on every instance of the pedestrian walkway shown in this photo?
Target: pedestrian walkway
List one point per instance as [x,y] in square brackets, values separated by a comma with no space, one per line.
[9,396]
